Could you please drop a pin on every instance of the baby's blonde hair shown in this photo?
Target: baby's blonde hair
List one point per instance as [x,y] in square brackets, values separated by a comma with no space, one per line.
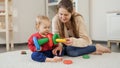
[39,20]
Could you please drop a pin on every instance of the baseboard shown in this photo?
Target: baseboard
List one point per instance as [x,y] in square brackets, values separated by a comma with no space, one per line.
[25,43]
[99,41]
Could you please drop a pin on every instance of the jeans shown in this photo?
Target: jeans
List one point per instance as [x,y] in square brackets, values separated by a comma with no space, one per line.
[41,56]
[78,51]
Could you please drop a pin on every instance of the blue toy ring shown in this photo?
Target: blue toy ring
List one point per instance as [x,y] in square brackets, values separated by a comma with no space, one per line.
[36,43]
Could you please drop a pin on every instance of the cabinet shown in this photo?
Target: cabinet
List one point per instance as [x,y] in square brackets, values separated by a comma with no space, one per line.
[113,27]
[51,7]
[6,25]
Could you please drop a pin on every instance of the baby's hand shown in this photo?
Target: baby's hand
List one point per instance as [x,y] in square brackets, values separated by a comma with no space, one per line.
[40,49]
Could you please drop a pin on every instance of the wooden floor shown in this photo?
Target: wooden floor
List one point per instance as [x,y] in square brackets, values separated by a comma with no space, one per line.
[114,47]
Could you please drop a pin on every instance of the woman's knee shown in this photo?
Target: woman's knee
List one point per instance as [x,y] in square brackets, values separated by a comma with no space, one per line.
[77,51]
[72,53]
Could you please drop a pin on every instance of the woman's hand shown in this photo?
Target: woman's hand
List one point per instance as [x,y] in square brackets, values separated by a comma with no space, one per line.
[68,42]
[59,48]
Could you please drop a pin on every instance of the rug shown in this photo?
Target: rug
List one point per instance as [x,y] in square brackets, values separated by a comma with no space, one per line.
[15,59]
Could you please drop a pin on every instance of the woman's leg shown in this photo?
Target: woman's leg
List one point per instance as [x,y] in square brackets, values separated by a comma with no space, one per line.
[78,51]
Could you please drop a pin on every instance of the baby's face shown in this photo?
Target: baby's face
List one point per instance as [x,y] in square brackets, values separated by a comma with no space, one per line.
[44,27]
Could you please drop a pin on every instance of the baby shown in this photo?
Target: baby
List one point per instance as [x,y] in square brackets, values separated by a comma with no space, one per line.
[44,54]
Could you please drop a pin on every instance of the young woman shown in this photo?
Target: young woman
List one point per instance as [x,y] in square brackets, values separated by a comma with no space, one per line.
[70,25]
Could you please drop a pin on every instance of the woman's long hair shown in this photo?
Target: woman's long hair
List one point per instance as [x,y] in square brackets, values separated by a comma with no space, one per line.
[68,5]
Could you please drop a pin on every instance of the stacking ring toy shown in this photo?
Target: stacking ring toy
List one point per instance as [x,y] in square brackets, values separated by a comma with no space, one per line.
[42,41]
[55,36]
[60,40]
[67,62]
[50,40]
[36,43]
[86,56]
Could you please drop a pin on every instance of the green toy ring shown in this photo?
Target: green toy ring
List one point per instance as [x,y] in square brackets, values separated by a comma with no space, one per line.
[55,36]
[86,56]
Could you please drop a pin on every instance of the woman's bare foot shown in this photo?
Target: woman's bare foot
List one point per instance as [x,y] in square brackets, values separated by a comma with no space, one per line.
[97,53]
[103,49]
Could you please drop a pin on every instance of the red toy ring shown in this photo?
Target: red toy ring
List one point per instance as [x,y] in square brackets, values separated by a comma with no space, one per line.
[50,40]
[67,62]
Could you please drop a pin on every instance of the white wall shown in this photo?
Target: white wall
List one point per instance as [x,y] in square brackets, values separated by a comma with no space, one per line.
[83,9]
[25,12]
[98,10]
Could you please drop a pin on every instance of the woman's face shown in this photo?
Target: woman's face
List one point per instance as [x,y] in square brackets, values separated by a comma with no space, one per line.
[64,15]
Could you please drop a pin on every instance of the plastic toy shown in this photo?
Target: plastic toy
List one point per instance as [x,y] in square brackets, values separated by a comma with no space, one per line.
[23,52]
[86,56]
[42,41]
[67,62]
[55,36]
[55,39]
[60,40]
[50,40]
[36,43]
[39,42]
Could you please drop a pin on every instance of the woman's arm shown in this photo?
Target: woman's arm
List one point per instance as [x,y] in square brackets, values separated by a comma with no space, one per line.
[84,39]
[55,30]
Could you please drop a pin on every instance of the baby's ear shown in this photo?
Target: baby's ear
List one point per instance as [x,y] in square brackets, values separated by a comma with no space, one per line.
[37,26]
